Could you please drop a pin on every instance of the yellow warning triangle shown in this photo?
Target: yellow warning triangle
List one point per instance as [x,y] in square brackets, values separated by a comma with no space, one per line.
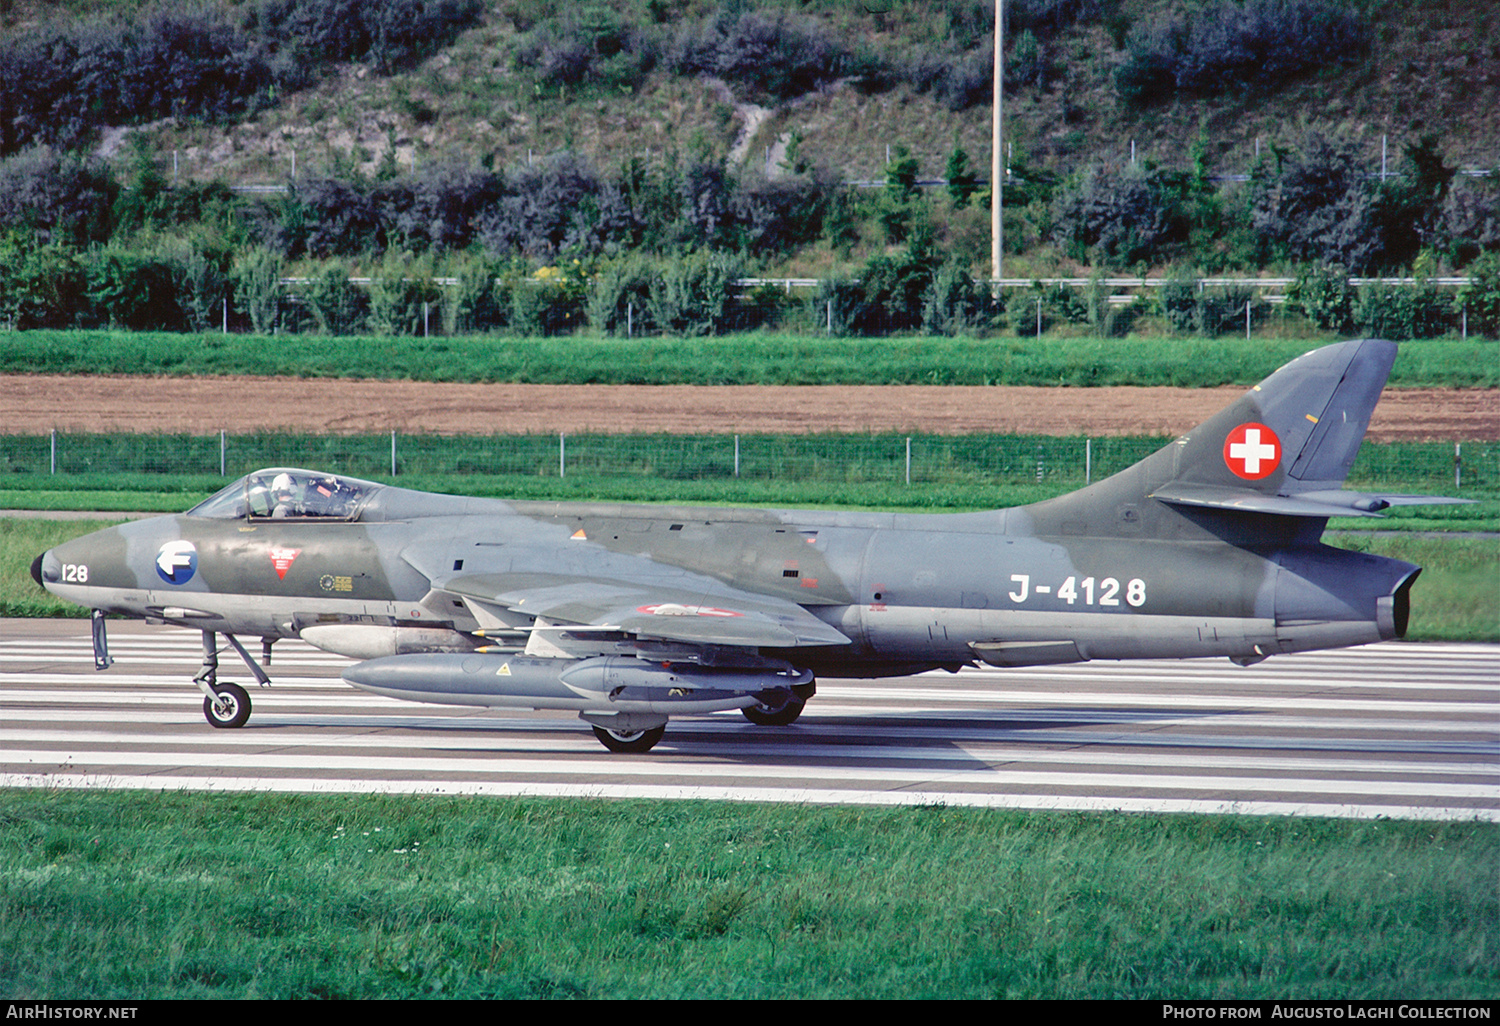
[504,670]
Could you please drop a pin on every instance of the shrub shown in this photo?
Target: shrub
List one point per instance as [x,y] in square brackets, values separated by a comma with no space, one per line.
[550,302]
[775,58]
[337,306]
[1316,206]
[618,295]
[1480,298]
[1469,223]
[387,33]
[403,296]
[325,217]
[1233,45]
[545,211]
[41,286]
[1323,295]
[1118,215]
[954,303]
[471,303]
[135,291]
[435,208]
[1059,304]
[258,289]
[691,295]
[892,291]
[56,197]
[1400,312]
[201,281]
[589,45]
[779,215]
[1407,208]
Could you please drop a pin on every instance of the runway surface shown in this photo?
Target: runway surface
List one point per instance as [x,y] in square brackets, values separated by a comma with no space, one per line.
[1398,730]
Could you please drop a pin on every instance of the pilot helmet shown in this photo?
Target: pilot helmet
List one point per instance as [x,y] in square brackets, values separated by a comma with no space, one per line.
[281,486]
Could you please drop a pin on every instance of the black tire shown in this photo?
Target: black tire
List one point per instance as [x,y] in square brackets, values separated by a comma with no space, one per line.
[630,742]
[778,714]
[231,707]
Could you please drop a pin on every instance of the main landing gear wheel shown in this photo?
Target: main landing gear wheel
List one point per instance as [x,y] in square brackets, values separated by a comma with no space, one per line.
[229,707]
[775,713]
[630,741]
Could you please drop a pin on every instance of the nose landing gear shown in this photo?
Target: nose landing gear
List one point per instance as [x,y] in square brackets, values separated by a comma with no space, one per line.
[225,704]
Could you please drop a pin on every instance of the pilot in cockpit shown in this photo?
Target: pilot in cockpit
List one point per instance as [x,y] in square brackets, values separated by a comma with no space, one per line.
[284,494]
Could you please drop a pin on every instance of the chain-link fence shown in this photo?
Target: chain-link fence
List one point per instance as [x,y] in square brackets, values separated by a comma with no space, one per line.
[845,458]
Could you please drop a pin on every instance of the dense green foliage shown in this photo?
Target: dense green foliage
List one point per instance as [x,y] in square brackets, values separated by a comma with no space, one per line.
[63,81]
[179,895]
[643,245]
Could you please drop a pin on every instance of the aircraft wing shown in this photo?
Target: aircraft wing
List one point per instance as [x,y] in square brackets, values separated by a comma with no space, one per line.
[725,617]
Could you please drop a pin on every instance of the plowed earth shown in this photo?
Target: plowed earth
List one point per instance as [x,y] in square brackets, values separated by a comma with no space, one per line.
[33,404]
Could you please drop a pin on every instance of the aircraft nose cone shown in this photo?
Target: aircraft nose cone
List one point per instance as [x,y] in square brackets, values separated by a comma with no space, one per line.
[36,569]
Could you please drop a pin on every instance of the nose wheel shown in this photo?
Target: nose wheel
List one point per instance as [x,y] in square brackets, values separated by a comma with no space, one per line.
[225,704]
[229,706]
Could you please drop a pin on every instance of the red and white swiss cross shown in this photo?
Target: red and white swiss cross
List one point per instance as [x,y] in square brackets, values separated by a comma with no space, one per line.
[1252,451]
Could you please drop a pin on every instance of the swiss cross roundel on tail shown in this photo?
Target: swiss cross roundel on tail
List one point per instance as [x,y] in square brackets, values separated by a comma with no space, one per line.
[1252,451]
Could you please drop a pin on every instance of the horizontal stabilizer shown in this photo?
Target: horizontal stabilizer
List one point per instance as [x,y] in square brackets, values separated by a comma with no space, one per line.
[1324,503]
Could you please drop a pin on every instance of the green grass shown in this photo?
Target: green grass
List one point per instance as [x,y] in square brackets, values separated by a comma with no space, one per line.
[732,360]
[1457,598]
[970,471]
[169,895]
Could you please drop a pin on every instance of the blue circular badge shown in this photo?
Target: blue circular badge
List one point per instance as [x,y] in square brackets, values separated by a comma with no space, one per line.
[177,561]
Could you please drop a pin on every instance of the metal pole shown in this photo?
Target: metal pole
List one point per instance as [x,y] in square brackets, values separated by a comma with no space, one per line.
[996,171]
[1088,461]
[1247,320]
[393,453]
[426,333]
[562,455]
[54,451]
[736,455]
[1458,465]
[226,316]
[222,447]
[1038,318]
[908,459]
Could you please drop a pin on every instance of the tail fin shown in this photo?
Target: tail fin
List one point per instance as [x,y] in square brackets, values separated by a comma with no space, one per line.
[1287,445]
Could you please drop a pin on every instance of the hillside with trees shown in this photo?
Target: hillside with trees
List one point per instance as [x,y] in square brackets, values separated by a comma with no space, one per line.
[623,165]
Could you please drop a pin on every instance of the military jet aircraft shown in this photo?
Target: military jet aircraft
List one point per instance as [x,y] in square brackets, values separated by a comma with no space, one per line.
[632,614]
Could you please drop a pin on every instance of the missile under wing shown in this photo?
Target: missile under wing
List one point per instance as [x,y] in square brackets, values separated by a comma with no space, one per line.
[629,615]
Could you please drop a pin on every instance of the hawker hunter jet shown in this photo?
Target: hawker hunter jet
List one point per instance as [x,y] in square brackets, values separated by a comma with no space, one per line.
[629,615]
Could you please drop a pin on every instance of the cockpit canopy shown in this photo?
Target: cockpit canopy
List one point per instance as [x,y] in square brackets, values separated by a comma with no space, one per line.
[285,493]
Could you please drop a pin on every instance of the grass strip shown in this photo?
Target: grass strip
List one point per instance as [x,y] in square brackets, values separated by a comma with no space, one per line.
[177,895]
[750,359]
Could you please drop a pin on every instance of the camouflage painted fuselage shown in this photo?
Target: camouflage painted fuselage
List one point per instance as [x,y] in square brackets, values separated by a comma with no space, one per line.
[1208,547]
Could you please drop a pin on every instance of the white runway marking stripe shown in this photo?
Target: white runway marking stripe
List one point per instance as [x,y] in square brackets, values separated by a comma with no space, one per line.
[1020,699]
[61,741]
[101,762]
[1397,730]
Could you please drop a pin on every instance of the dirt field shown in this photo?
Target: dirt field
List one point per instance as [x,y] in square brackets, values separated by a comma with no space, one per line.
[37,404]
